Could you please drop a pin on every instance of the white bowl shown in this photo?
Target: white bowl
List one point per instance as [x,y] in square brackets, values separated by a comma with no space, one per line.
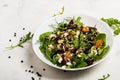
[87,20]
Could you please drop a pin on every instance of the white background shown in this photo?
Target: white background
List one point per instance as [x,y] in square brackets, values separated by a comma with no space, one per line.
[16,14]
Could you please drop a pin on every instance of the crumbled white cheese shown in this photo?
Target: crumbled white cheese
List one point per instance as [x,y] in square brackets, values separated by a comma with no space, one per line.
[65,34]
[71,54]
[60,58]
[49,49]
[74,63]
[51,46]
[84,36]
[79,55]
[69,63]
[93,48]
[63,67]
[64,53]
[76,36]
[52,35]
[93,53]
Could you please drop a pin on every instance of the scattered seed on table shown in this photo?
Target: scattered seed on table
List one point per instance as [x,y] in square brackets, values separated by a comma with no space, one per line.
[64,70]
[29,71]
[31,66]
[32,78]
[21,61]
[38,74]
[44,69]
[32,72]
[39,78]
[9,57]
[23,28]
[14,34]
[10,40]
[20,40]
[25,70]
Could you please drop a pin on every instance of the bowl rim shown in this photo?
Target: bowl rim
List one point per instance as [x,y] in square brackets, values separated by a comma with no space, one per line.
[71,69]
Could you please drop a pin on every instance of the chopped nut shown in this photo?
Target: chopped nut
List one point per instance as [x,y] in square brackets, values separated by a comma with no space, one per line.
[51,46]
[60,41]
[67,55]
[58,33]
[77,33]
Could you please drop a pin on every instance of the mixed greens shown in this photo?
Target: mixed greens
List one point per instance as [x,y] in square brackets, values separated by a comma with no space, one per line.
[73,45]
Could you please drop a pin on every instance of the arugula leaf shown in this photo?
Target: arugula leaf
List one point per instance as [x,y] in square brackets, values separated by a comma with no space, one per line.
[113,23]
[105,77]
[23,39]
[77,21]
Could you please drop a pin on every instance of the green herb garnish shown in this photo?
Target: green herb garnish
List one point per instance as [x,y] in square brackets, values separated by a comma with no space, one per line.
[23,39]
[114,24]
[60,12]
[105,77]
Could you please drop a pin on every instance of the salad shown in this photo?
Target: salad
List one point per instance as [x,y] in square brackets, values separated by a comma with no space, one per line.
[73,45]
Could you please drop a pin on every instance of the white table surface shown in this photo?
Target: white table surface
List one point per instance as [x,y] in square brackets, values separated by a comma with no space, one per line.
[16,14]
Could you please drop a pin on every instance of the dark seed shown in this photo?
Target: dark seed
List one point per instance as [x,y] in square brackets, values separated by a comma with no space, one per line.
[14,34]
[25,70]
[29,71]
[32,78]
[31,66]
[38,74]
[21,61]
[71,22]
[90,62]
[20,40]
[44,69]
[65,25]
[75,25]
[39,78]
[32,72]
[63,62]
[9,57]
[23,28]
[64,70]
[9,40]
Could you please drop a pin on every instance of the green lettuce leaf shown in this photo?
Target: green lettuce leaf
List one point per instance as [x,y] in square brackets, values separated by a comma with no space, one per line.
[105,50]
[102,36]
